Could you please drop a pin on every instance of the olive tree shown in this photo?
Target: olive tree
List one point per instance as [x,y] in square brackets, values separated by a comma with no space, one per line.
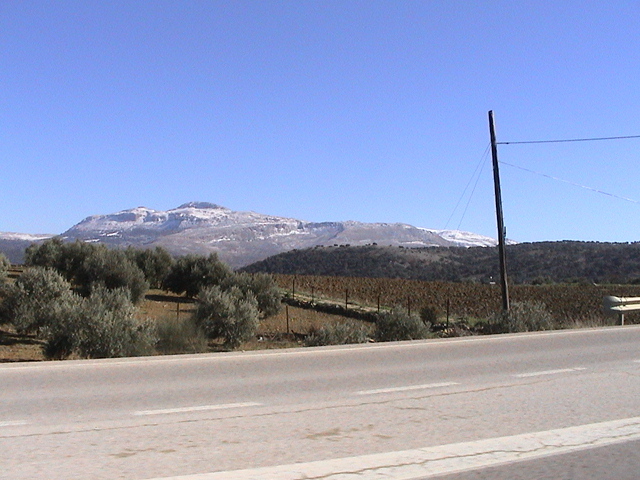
[103,325]
[191,273]
[37,297]
[229,314]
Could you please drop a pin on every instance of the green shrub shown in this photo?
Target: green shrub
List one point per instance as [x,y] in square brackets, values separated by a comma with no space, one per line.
[36,298]
[529,316]
[104,325]
[397,325]
[231,315]
[338,334]
[180,336]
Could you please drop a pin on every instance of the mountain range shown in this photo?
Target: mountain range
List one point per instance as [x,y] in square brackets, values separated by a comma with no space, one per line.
[240,238]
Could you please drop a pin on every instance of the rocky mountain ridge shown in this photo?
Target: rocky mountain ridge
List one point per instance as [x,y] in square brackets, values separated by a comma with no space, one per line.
[241,238]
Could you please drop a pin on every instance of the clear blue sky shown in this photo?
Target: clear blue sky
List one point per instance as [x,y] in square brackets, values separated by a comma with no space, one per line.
[322,110]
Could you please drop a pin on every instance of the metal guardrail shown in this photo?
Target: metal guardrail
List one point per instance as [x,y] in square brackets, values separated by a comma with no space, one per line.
[620,305]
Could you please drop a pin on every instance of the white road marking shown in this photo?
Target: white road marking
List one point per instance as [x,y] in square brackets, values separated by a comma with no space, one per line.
[199,408]
[13,423]
[445,459]
[549,372]
[407,388]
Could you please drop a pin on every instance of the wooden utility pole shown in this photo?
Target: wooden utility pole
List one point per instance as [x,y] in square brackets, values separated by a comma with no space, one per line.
[501,230]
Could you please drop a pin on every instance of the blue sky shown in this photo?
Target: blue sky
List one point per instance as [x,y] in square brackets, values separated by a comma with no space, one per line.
[322,110]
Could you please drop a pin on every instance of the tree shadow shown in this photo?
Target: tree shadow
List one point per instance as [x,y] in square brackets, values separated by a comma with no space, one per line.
[11,338]
[155,297]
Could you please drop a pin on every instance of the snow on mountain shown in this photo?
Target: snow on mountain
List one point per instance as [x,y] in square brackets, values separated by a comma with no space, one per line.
[24,237]
[465,239]
[241,238]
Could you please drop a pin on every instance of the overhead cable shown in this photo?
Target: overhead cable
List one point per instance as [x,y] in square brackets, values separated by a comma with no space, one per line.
[572,183]
[570,140]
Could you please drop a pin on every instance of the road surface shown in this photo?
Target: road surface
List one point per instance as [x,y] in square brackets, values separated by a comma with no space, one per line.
[476,406]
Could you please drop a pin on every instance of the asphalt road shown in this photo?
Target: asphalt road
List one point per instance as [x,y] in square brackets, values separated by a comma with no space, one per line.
[440,408]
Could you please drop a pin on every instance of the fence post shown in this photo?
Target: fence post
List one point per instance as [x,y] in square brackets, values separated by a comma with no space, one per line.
[286,308]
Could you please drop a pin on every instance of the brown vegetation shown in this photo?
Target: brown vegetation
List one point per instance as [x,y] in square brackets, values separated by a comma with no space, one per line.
[570,301]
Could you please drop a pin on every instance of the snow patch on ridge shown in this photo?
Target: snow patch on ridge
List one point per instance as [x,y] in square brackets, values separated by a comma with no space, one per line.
[28,237]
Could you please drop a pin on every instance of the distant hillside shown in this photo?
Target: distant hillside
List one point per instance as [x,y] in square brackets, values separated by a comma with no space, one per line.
[540,262]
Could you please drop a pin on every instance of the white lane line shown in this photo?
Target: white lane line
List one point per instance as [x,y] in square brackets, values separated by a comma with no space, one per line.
[549,372]
[13,423]
[444,459]
[198,408]
[405,389]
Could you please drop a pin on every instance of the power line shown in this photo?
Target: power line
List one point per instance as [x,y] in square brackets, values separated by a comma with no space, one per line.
[480,167]
[570,140]
[571,183]
[483,163]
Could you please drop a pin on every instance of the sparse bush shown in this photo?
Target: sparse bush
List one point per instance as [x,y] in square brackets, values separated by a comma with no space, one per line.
[429,315]
[180,336]
[37,298]
[397,325]
[529,316]
[104,325]
[231,314]
[192,273]
[338,334]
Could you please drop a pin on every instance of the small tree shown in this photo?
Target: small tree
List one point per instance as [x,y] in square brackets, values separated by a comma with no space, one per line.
[231,315]
[192,273]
